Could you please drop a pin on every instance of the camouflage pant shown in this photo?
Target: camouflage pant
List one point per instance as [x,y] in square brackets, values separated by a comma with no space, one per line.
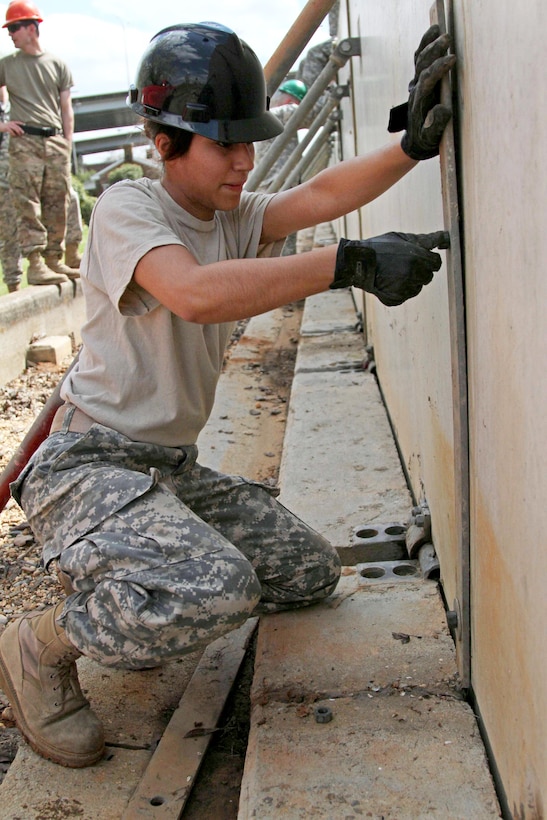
[10,250]
[74,228]
[10,255]
[40,183]
[164,555]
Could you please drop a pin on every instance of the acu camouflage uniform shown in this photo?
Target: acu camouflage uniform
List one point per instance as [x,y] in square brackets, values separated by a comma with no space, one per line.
[10,249]
[40,184]
[40,173]
[74,228]
[10,253]
[164,554]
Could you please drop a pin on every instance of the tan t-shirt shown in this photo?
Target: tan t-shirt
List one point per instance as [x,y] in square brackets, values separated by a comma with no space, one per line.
[144,371]
[34,84]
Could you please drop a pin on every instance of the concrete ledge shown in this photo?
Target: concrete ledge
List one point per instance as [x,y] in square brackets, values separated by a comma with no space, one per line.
[45,310]
[377,658]
[340,469]
[381,757]
[50,349]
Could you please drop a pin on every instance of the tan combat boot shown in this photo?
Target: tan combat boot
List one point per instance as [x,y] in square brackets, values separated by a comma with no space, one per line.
[72,257]
[38,675]
[53,261]
[39,274]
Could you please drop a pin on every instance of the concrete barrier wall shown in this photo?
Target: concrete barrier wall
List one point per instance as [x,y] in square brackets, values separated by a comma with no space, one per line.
[502,134]
[46,310]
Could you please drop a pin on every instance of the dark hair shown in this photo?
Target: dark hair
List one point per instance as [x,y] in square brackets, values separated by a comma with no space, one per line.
[179,139]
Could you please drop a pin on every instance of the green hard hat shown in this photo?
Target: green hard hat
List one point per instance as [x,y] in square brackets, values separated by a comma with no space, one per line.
[296,88]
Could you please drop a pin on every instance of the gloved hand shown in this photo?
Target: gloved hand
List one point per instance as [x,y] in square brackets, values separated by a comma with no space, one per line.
[423,117]
[393,266]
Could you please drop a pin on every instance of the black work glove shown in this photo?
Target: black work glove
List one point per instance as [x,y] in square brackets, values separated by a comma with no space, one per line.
[423,117]
[393,266]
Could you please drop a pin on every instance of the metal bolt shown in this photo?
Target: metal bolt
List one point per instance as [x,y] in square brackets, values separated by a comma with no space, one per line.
[323,714]
[452,619]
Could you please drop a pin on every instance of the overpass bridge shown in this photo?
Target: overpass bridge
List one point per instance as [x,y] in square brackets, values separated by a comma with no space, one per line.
[104,122]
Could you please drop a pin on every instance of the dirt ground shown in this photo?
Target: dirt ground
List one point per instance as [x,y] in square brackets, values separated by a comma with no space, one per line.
[24,585]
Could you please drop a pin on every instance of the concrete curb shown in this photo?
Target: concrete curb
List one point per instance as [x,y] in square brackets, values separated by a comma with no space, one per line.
[46,310]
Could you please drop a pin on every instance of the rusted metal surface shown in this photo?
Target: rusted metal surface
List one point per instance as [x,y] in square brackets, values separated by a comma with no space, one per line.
[458,354]
[170,775]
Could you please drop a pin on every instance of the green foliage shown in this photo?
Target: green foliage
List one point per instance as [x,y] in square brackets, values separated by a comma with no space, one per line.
[128,170]
[86,200]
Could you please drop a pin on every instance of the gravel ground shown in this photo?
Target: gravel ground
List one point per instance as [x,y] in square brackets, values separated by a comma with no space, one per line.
[24,585]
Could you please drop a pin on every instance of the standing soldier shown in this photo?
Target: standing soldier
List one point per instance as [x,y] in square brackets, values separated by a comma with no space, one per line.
[41,128]
[10,250]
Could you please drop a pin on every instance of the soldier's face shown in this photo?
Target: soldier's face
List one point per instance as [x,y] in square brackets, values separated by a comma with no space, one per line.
[210,176]
[22,33]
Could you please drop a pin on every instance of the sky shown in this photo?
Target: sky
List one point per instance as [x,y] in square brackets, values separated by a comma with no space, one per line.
[103,48]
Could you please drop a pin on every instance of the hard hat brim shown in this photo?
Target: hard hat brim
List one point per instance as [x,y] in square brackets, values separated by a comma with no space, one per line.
[254,129]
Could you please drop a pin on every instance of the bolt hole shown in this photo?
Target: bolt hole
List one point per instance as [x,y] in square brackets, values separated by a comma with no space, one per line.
[395,530]
[404,569]
[157,801]
[366,533]
[373,572]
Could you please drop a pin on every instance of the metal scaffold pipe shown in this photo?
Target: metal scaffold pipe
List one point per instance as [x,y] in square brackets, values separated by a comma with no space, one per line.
[320,122]
[342,52]
[310,160]
[294,42]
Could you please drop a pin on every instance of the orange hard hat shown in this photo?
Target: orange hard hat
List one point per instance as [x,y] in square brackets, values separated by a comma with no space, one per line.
[19,10]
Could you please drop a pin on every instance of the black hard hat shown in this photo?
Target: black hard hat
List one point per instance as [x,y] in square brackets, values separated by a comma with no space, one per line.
[202,78]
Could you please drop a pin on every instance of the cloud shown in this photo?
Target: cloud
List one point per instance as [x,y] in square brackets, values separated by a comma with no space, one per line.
[103,49]
[103,60]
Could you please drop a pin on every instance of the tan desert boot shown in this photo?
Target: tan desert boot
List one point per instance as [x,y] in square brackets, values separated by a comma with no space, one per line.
[39,677]
[54,263]
[72,257]
[39,274]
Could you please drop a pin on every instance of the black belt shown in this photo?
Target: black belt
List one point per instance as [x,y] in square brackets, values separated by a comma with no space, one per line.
[41,130]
